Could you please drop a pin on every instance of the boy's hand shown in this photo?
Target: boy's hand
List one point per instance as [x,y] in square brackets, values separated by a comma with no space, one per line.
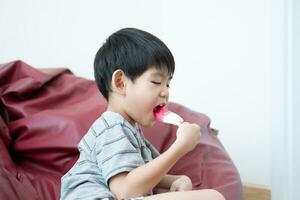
[183,183]
[188,136]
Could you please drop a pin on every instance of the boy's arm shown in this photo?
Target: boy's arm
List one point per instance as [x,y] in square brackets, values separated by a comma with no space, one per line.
[143,179]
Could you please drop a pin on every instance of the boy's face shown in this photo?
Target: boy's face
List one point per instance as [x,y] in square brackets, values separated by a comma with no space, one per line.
[145,94]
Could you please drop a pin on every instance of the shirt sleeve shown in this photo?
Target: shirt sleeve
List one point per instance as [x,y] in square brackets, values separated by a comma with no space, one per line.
[118,151]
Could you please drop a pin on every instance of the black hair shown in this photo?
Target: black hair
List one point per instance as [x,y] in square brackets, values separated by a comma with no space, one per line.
[133,51]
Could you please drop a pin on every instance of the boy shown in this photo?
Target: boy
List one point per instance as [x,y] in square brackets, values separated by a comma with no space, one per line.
[133,70]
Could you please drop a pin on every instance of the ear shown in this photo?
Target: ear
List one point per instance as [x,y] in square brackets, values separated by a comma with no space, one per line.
[118,82]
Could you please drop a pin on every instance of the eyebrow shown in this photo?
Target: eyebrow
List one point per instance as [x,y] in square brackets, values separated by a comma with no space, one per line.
[158,73]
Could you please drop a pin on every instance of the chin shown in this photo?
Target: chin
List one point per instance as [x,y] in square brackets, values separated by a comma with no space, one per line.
[148,124]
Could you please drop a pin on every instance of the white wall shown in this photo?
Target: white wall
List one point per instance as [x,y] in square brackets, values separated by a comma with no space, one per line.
[285,28]
[54,33]
[296,99]
[223,69]
[223,53]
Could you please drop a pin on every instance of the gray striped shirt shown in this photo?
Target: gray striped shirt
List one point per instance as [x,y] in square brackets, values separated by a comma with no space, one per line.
[111,146]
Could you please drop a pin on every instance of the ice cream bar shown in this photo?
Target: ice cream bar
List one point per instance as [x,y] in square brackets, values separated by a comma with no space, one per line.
[166,116]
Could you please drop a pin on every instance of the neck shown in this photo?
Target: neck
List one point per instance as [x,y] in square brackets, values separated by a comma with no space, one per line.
[118,108]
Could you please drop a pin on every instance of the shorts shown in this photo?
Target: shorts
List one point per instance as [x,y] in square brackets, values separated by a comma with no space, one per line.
[136,198]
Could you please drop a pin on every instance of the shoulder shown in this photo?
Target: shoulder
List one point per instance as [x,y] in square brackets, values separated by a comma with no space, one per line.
[111,127]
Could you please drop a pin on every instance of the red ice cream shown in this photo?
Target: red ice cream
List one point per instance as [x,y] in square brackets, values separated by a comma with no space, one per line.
[163,115]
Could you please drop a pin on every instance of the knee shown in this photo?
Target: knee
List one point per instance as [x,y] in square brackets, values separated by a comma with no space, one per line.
[217,195]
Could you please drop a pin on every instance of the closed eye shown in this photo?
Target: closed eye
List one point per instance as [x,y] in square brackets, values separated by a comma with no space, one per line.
[156,83]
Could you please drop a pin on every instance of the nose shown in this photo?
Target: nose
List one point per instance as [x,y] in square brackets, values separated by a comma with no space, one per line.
[165,92]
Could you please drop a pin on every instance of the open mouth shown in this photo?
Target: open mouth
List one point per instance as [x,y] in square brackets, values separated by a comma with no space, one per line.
[158,107]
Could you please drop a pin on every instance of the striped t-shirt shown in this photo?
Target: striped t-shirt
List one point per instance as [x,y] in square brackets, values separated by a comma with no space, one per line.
[111,146]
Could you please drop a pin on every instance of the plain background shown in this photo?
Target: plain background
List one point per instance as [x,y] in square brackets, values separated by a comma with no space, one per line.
[235,61]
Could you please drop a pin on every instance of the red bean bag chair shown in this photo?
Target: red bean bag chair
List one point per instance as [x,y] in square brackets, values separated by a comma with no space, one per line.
[45,113]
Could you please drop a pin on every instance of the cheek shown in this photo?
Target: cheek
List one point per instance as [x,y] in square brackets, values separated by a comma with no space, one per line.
[142,97]
[143,101]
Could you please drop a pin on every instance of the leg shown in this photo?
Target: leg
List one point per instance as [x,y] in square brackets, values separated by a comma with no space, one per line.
[206,194]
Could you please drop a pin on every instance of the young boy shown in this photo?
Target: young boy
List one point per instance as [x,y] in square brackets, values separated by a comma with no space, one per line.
[133,70]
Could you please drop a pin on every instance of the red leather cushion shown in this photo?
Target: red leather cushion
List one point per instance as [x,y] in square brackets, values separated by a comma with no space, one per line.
[44,114]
